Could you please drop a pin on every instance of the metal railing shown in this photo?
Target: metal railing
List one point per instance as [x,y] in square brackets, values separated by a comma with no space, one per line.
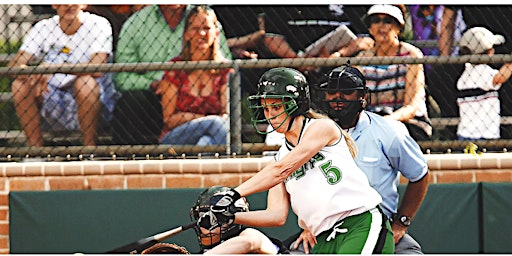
[235,144]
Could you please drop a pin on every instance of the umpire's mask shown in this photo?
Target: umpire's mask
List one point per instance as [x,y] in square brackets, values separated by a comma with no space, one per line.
[336,97]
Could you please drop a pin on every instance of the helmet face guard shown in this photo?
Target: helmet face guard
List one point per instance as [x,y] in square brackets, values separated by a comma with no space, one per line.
[344,80]
[257,104]
[285,84]
[210,238]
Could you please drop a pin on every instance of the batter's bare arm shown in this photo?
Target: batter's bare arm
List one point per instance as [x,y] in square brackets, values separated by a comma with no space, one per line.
[320,134]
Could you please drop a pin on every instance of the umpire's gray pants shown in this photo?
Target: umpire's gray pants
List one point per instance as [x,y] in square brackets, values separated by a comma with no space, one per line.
[407,245]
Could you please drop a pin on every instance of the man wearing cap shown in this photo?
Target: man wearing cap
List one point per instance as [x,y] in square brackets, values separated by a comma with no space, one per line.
[386,152]
[478,99]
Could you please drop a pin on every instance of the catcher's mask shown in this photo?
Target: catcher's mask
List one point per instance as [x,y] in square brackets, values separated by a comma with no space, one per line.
[288,85]
[342,80]
[209,239]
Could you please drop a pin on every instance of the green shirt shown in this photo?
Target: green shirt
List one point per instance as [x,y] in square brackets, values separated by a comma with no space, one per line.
[146,37]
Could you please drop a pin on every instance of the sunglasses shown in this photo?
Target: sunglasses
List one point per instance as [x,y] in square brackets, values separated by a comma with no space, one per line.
[385,20]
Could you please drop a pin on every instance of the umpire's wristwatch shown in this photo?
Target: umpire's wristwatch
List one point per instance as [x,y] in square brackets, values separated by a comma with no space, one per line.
[402,219]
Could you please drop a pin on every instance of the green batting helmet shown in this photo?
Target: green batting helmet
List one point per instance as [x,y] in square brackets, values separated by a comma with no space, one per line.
[287,84]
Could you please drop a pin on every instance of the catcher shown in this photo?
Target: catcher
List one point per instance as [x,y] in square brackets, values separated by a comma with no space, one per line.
[229,238]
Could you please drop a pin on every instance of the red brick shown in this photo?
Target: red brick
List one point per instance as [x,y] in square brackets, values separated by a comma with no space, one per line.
[4,228]
[469,163]
[144,181]
[152,167]
[106,182]
[112,167]
[4,243]
[4,199]
[493,176]
[33,170]
[131,167]
[4,215]
[3,181]
[14,170]
[53,170]
[454,176]
[189,166]
[67,183]
[31,183]
[221,179]
[73,168]
[211,167]
[183,181]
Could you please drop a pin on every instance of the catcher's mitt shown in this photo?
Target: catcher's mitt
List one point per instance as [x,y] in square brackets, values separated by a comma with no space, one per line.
[165,248]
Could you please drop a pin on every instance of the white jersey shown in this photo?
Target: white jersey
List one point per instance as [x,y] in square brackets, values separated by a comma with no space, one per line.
[46,37]
[329,187]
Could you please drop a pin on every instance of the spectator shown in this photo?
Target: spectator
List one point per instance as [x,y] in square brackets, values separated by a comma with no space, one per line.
[496,17]
[397,91]
[281,36]
[314,171]
[427,20]
[65,102]
[116,14]
[478,99]
[440,77]
[253,44]
[389,152]
[152,34]
[492,17]
[230,238]
[195,102]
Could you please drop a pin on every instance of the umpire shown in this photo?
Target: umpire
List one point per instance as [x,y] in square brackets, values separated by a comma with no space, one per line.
[386,151]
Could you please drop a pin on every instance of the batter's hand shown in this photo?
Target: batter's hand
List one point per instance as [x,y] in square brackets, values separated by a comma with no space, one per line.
[307,239]
[222,205]
[208,221]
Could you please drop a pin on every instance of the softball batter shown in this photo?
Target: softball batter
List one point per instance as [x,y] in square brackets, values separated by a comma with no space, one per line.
[314,171]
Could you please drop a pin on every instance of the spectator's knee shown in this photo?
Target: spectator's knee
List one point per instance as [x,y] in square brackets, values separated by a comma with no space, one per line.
[86,86]
[21,88]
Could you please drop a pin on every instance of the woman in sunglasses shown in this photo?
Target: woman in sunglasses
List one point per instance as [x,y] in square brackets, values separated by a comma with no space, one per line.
[397,91]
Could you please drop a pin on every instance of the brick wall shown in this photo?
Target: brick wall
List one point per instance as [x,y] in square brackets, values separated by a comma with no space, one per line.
[193,173]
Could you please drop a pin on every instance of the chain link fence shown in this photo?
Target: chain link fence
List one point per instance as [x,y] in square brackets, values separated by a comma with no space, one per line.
[302,36]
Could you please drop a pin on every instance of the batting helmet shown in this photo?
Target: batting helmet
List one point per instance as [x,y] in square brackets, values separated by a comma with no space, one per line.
[287,84]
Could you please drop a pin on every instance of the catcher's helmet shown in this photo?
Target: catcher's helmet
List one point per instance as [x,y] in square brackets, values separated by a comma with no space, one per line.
[342,80]
[287,84]
[209,239]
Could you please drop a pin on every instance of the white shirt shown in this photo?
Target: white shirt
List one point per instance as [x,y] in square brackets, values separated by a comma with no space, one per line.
[479,115]
[46,37]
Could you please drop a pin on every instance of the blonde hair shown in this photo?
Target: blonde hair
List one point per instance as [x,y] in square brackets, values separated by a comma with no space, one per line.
[352,147]
[186,53]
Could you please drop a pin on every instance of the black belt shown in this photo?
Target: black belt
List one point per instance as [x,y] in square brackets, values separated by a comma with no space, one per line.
[471,93]
[382,235]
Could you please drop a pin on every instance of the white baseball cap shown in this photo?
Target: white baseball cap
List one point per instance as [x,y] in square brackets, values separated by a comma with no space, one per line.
[480,39]
[388,9]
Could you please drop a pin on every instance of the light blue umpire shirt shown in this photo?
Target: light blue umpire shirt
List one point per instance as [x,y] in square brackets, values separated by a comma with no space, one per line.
[386,150]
